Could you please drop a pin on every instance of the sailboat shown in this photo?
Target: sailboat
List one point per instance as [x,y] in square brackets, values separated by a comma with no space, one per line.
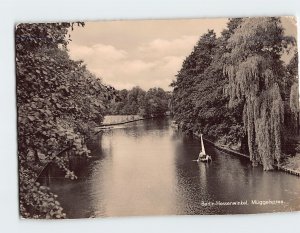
[203,157]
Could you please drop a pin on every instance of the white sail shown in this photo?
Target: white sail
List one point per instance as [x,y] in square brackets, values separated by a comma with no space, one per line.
[202,146]
[202,155]
[202,152]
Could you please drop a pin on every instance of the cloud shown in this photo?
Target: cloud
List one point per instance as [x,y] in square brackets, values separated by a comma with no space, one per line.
[105,52]
[148,53]
[152,64]
[136,66]
[174,47]
[157,73]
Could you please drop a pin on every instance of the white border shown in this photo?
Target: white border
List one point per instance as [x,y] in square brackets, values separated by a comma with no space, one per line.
[14,11]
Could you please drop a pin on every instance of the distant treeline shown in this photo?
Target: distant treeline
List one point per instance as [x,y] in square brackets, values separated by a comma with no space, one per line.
[136,101]
[237,90]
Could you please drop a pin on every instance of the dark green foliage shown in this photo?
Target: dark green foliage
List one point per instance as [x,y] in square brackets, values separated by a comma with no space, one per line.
[136,101]
[257,80]
[292,95]
[59,102]
[155,103]
[292,69]
[232,88]
[198,102]
[128,102]
[185,86]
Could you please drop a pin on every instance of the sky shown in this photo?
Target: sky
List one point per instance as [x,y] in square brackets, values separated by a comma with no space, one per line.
[145,53]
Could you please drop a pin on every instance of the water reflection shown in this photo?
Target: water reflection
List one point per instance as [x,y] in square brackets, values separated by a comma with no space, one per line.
[145,168]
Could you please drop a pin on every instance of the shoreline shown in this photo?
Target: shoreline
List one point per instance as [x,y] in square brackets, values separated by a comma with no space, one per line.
[281,168]
[107,126]
[121,123]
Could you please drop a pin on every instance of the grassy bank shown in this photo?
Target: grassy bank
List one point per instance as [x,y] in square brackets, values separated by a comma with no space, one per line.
[117,119]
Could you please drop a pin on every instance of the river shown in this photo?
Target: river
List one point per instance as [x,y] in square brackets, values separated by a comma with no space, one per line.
[147,168]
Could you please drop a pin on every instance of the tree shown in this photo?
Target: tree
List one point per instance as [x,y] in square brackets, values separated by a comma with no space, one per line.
[59,101]
[185,85]
[135,98]
[198,101]
[292,91]
[256,76]
[136,101]
[155,103]
[213,117]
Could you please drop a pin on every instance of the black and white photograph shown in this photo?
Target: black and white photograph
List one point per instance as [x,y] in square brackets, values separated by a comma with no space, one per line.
[152,117]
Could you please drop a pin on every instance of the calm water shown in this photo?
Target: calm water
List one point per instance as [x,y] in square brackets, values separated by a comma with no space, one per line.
[147,168]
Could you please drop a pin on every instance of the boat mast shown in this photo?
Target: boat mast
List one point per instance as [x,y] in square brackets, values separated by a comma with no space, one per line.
[202,145]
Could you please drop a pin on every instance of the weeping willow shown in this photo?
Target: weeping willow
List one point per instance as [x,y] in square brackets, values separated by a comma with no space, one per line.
[263,113]
[253,70]
[263,118]
[294,107]
[294,99]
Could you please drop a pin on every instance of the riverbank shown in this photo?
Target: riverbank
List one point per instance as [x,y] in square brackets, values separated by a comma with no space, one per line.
[291,165]
[119,120]
[122,119]
[115,119]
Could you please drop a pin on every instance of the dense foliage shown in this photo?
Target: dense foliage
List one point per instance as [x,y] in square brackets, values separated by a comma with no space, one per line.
[292,95]
[198,103]
[233,88]
[154,102]
[256,78]
[59,102]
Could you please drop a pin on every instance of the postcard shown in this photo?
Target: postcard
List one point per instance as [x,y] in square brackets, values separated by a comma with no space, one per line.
[158,117]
